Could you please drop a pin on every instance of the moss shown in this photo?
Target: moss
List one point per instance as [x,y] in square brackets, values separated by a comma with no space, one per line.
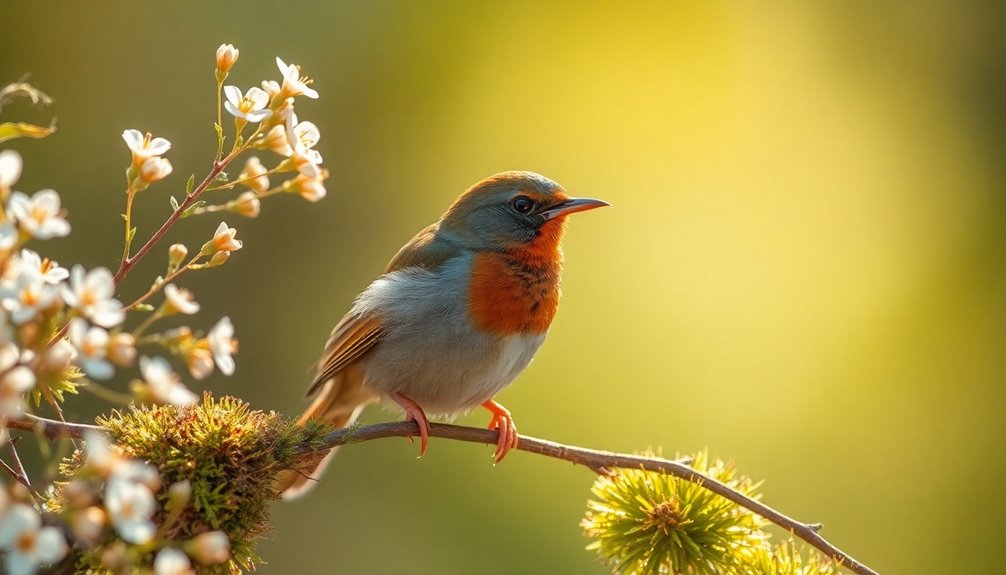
[229,454]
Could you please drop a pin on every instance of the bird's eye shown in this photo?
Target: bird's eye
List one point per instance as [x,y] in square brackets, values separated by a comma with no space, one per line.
[522,204]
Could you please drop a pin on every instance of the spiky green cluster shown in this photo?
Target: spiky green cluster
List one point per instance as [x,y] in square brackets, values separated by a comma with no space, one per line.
[229,454]
[649,523]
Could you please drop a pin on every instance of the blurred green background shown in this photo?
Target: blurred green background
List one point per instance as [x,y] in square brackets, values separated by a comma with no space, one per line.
[804,267]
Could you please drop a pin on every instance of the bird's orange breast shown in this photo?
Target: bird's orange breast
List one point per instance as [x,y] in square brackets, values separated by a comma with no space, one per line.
[516,291]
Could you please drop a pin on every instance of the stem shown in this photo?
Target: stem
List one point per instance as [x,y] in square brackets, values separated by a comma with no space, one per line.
[159,285]
[21,473]
[130,195]
[50,428]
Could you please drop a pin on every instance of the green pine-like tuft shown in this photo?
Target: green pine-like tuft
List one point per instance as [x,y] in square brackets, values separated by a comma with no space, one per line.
[648,523]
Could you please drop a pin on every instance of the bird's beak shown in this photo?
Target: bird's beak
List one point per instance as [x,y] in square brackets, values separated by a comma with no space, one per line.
[571,206]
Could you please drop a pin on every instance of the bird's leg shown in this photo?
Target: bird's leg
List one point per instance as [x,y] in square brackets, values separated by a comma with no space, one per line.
[415,413]
[503,421]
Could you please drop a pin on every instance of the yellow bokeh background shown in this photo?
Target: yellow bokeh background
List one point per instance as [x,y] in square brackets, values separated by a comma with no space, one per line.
[803,268]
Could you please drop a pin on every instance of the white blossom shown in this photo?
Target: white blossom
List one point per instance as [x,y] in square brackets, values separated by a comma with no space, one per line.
[247,204]
[122,348]
[91,293]
[49,270]
[28,295]
[223,240]
[276,141]
[162,384]
[101,456]
[171,561]
[154,169]
[199,360]
[15,381]
[130,505]
[223,345]
[143,147]
[293,83]
[10,168]
[210,548]
[250,106]
[310,188]
[39,215]
[26,543]
[255,175]
[303,136]
[179,300]
[92,348]
[58,356]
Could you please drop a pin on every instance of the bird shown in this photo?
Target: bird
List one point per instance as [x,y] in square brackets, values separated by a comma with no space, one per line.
[458,313]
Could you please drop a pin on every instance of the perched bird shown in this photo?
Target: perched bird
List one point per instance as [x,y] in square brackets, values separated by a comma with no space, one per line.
[456,316]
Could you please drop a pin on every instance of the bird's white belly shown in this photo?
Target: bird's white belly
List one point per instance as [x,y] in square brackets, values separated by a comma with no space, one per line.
[432,353]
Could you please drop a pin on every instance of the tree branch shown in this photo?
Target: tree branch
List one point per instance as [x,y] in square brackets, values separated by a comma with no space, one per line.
[599,461]
[595,460]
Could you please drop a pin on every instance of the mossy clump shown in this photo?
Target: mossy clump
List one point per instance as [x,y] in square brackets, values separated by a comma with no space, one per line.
[227,452]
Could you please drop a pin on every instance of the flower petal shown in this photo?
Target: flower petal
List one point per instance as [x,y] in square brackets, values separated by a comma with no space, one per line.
[134,139]
[233,94]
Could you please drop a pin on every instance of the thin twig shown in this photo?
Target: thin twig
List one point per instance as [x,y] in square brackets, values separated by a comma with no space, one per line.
[50,428]
[17,477]
[598,461]
[17,462]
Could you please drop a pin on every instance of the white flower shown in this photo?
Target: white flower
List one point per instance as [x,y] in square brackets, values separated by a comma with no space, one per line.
[250,106]
[9,236]
[223,345]
[199,359]
[130,504]
[310,188]
[171,561]
[122,348]
[10,168]
[91,294]
[27,544]
[162,383]
[143,147]
[254,174]
[92,347]
[179,300]
[303,136]
[293,83]
[14,381]
[102,457]
[271,87]
[27,297]
[227,55]
[223,240]
[210,548]
[276,141]
[247,205]
[88,524]
[58,356]
[50,270]
[154,169]
[39,215]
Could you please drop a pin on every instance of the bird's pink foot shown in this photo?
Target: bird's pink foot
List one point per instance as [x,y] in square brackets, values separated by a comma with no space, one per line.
[415,413]
[502,421]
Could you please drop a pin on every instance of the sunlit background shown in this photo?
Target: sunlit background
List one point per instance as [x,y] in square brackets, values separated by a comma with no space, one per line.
[804,268]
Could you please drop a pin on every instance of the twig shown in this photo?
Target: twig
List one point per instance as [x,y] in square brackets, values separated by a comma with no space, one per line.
[17,462]
[17,476]
[50,428]
[598,461]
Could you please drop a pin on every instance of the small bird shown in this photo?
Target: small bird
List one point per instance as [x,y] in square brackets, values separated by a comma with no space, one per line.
[458,313]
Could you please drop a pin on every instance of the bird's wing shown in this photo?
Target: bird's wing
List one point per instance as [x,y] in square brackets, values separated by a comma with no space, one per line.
[351,338]
[357,333]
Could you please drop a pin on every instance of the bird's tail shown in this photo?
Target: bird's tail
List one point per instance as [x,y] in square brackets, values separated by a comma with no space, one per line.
[337,404]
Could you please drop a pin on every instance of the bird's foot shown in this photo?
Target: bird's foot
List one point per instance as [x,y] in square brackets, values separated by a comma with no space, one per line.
[502,421]
[415,413]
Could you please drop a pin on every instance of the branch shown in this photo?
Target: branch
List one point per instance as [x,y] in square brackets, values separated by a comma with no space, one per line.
[599,461]
[50,428]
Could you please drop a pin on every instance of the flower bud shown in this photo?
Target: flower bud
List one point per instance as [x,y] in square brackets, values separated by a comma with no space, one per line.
[219,259]
[154,168]
[179,494]
[176,254]
[227,55]
[88,524]
[122,349]
[247,205]
[210,548]
[254,175]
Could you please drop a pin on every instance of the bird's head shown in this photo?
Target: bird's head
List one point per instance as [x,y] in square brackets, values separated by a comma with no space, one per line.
[512,210]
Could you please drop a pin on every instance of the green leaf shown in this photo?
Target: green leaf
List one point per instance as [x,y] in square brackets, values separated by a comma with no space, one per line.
[221,177]
[174,202]
[144,307]
[11,130]
[129,238]
[189,211]
[191,183]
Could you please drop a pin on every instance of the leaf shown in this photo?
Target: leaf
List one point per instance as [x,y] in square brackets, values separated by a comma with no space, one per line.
[129,238]
[189,211]
[190,184]
[144,307]
[11,130]
[174,202]
[221,177]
